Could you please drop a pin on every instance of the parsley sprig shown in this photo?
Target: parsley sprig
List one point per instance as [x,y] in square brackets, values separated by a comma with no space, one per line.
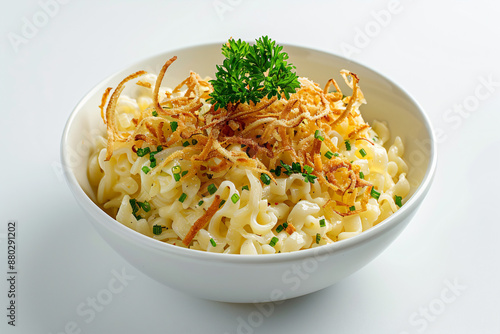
[251,72]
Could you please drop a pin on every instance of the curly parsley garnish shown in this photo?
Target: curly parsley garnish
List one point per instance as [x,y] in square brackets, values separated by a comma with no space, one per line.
[251,72]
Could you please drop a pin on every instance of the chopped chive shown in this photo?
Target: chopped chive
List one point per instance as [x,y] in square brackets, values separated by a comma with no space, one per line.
[329,154]
[336,154]
[212,241]
[176,169]
[159,148]
[318,238]
[222,203]
[173,126]
[322,223]
[153,163]
[157,229]
[398,199]
[245,187]
[133,204]
[138,217]
[347,145]
[183,198]
[279,228]
[184,173]
[265,178]
[317,135]
[375,194]
[235,198]
[352,208]
[143,151]
[177,177]
[145,206]
[194,142]
[362,152]
[361,175]
[200,203]
[155,114]
[145,169]
[211,189]
[185,144]
[285,225]
[273,241]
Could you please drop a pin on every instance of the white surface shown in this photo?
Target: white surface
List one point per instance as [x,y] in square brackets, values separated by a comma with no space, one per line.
[441,52]
[232,277]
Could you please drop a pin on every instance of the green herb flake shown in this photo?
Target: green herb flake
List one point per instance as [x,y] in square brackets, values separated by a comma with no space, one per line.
[145,206]
[265,178]
[185,144]
[194,142]
[361,175]
[375,194]
[177,177]
[276,171]
[157,229]
[308,169]
[273,241]
[212,189]
[200,203]
[397,200]
[318,135]
[145,169]
[183,198]
[235,198]
[347,145]
[155,114]
[279,228]
[329,154]
[322,223]
[143,151]
[362,152]
[212,241]
[184,173]
[245,187]
[173,126]
[352,208]
[318,238]
[222,203]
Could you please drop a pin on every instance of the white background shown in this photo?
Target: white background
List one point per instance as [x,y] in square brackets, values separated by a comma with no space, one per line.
[443,52]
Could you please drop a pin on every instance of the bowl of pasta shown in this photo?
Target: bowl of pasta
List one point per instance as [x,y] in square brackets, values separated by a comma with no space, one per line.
[248,172]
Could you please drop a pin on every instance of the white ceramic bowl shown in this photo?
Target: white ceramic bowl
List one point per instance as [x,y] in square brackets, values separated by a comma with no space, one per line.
[258,278]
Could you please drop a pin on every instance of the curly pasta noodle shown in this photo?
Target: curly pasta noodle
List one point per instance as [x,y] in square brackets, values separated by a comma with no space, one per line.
[276,176]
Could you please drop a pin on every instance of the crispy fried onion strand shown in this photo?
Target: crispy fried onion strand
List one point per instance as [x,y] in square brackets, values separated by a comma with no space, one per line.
[255,136]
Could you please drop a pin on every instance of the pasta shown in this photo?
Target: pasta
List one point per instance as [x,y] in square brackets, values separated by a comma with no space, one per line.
[276,176]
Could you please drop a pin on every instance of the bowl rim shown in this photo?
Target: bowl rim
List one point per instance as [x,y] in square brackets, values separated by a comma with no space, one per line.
[145,241]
